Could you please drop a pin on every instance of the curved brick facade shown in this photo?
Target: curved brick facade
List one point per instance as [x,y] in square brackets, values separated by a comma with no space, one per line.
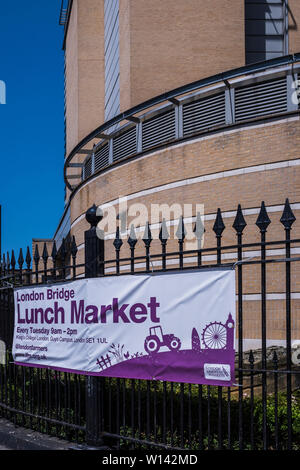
[243,165]
[136,50]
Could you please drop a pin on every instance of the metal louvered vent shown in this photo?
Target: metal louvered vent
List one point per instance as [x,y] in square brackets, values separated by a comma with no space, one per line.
[159,129]
[261,99]
[102,157]
[88,168]
[124,145]
[204,113]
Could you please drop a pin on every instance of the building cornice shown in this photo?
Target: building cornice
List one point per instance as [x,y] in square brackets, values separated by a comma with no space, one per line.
[66,26]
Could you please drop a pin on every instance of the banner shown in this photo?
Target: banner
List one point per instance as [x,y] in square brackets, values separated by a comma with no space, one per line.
[175,326]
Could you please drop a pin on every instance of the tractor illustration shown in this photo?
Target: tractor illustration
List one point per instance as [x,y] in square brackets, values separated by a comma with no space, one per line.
[157,339]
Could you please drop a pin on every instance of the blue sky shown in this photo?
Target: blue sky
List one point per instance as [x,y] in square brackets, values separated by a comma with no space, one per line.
[31,121]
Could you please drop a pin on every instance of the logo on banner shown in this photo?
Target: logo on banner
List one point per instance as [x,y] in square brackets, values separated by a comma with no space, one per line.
[217,371]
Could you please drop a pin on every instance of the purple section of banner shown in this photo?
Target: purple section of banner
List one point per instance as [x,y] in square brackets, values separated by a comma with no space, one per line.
[184,366]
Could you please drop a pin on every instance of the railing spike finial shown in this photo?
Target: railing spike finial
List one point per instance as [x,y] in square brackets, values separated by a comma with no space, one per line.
[36,254]
[181,231]
[13,259]
[275,359]
[251,357]
[118,242]
[54,251]
[21,258]
[63,251]
[28,258]
[263,220]
[287,219]
[199,229]
[132,240]
[219,226]
[74,248]
[147,237]
[163,233]
[45,253]
[239,222]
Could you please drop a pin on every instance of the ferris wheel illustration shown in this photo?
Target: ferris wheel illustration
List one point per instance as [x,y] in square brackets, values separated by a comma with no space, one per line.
[214,336]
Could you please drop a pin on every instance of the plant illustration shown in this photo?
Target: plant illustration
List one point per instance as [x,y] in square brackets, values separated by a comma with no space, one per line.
[117,352]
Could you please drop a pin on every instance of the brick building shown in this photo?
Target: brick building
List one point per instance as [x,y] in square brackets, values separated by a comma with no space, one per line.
[188,102]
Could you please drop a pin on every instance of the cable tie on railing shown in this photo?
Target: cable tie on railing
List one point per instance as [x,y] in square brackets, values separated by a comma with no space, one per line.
[7,285]
[243,261]
[151,263]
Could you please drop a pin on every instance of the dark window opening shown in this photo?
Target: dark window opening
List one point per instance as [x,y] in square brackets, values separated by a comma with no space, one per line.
[266,29]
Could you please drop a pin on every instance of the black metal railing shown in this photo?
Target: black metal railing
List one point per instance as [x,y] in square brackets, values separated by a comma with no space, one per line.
[262,411]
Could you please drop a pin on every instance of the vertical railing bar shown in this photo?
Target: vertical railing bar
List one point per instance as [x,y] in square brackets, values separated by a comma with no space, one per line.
[148,410]
[164,422]
[109,404]
[218,228]
[189,414]
[23,393]
[251,361]
[239,225]
[275,364]
[118,411]
[172,413]
[208,418]
[182,415]
[200,417]
[155,410]
[56,401]
[264,341]
[220,441]
[139,410]
[75,387]
[47,399]
[124,406]
[288,338]
[240,338]
[229,417]
[30,395]
[132,410]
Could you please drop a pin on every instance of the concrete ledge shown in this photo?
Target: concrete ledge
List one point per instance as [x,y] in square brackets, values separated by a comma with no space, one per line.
[18,438]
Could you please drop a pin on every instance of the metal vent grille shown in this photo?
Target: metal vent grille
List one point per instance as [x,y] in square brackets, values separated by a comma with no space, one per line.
[88,168]
[261,99]
[102,157]
[159,129]
[204,113]
[124,145]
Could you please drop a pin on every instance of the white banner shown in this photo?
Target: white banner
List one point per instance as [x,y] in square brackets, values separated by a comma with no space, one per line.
[175,326]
